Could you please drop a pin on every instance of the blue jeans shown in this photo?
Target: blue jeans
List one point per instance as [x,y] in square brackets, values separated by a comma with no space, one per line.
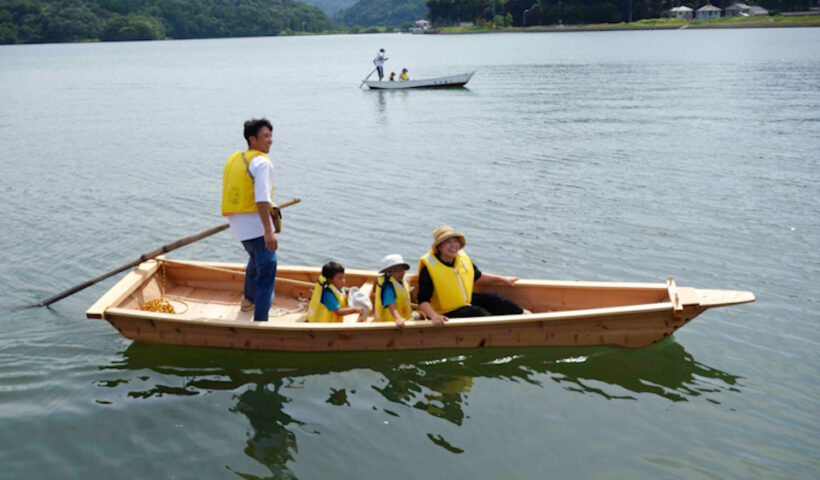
[260,277]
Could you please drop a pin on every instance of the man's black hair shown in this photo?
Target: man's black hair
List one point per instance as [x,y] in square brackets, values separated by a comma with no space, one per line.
[331,269]
[253,126]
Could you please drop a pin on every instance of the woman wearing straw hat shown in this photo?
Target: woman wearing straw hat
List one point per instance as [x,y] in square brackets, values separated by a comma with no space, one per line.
[446,280]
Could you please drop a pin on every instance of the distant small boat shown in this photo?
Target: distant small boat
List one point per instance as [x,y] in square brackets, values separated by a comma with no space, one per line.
[565,313]
[449,81]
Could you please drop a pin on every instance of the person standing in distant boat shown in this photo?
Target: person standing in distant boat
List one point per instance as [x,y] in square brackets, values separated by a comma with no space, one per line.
[379,62]
[247,197]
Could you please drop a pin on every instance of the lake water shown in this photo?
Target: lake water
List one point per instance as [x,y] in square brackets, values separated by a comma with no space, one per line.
[623,156]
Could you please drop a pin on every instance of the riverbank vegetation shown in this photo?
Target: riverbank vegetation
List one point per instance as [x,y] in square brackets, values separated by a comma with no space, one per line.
[527,13]
[54,21]
[392,13]
[649,24]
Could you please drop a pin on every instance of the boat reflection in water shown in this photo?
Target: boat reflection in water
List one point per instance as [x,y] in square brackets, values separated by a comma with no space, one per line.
[438,382]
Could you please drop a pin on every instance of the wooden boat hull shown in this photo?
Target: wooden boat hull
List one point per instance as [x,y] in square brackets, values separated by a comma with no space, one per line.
[440,82]
[214,319]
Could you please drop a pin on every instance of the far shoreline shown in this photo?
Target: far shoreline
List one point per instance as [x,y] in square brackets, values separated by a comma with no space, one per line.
[812,21]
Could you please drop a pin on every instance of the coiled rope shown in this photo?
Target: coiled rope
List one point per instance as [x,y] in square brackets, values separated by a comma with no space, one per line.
[161,304]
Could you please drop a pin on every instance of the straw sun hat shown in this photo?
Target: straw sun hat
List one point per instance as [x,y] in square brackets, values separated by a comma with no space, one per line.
[391,261]
[446,232]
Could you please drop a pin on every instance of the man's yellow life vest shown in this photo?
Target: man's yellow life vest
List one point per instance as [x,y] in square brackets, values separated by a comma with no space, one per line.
[402,300]
[317,312]
[452,286]
[237,183]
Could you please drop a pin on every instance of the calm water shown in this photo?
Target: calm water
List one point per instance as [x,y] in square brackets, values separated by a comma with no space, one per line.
[624,156]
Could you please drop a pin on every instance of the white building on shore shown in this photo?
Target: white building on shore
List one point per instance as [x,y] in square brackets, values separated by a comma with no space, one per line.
[682,12]
[421,26]
[706,12]
[743,10]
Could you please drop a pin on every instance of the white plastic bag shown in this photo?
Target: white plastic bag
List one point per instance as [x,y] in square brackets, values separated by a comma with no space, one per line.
[358,298]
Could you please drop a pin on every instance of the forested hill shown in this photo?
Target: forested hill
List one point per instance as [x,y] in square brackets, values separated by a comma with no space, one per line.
[54,21]
[331,7]
[382,12]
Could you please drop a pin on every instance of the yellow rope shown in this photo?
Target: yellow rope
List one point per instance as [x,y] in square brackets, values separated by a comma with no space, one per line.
[161,304]
[158,305]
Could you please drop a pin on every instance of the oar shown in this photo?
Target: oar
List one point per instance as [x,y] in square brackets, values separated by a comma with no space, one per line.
[146,256]
[368,76]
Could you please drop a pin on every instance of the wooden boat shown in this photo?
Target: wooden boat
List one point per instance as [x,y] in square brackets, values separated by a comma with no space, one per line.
[449,81]
[565,313]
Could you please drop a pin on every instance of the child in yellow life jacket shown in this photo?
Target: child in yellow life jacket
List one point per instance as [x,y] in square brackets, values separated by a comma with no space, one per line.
[393,292]
[403,77]
[329,300]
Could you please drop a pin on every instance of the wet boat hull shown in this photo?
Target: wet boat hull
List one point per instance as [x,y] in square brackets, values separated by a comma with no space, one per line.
[564,313]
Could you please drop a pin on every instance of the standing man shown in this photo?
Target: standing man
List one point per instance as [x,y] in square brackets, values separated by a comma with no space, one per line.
[379,62]
[247,197]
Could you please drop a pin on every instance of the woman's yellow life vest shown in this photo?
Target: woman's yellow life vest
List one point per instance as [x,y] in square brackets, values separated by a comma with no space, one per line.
[317,312]
[402,300]
[237,183]
[452,286]
[403,76]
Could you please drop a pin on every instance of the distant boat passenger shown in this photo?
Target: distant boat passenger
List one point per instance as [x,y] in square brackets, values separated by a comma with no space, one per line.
[392,76]
[379,62]
[403,77]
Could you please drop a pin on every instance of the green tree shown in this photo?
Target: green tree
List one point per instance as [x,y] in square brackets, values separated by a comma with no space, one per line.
[382,12]
[33,21]
[69,23]
[133,27]
[7,34]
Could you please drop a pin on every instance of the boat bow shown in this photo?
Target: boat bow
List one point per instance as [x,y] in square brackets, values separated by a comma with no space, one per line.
[722,298]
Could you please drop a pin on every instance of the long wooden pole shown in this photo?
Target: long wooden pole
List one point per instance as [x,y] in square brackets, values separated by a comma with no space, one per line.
[146,256]
[368,76]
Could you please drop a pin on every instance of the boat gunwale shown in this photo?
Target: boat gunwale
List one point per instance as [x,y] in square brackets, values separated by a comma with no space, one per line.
[588,313]
[747,296]
[135,279]
[240,269]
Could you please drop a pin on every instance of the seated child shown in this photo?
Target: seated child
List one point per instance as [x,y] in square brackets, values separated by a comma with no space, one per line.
[393,292]
[392,76]
[329,300]
[403,75]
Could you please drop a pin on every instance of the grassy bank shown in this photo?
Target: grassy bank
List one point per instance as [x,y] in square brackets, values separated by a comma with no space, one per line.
[654,24]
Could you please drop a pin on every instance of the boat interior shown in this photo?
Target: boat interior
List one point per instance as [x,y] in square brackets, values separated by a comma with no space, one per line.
[214,291]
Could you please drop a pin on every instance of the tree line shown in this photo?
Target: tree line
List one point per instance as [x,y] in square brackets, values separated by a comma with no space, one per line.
[55,21]
[382,12]
[553,12]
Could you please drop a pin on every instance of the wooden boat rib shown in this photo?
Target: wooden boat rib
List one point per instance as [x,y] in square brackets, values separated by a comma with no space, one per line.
[564,313]
[458,80]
